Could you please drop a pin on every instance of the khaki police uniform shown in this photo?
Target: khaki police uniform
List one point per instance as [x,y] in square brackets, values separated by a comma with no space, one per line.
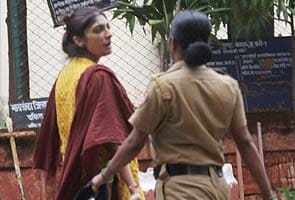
[187,113]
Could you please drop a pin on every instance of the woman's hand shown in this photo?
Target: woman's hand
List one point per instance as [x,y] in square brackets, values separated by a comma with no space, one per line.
[105,176]
[96,182]
[135,192]
[135,196]
[134,188]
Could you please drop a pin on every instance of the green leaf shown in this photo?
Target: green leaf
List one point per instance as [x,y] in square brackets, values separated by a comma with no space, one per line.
[170,5]
[194,4]
[125,10]
[132,24]
[153,22]
[141,21]
[219,10]
[201,8]
[116,14]
[122,3]
[154,33]
[130,21]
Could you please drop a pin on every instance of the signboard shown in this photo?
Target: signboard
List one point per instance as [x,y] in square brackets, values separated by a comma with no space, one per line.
[28,114]
[61,8]
[263,69]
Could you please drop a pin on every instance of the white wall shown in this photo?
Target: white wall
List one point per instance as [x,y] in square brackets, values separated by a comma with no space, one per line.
[134,58]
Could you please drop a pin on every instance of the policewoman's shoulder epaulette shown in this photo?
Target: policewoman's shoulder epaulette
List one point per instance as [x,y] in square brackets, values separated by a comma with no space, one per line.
[158,75]
[162,86]
[220,71]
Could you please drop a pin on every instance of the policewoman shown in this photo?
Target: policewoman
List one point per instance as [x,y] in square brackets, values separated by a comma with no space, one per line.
[187,112]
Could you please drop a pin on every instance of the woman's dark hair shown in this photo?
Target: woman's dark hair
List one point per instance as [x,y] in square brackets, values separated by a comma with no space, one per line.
[76,24]
[191,29]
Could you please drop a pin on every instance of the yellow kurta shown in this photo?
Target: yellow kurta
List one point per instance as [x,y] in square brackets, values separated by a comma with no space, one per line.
[65,96]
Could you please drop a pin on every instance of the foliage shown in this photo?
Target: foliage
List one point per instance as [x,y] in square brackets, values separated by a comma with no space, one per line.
[158,14]
[286,8]
[288,194]
[250,18]
[244,16]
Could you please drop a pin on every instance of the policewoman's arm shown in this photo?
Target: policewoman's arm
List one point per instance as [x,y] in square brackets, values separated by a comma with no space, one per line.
[125,153]
[126,175]
[145,120]
[250,156]
[248,150]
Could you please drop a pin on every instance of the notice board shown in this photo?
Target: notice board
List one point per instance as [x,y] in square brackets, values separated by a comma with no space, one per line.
[263,70]
[28,114]
[61,8]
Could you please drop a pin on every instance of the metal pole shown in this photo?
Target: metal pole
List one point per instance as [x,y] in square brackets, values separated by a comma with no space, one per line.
[260,143]
[18,50]
[240,175]
[292,25]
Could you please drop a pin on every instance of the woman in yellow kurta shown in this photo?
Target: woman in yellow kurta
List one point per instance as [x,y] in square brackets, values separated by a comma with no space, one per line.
[87,113]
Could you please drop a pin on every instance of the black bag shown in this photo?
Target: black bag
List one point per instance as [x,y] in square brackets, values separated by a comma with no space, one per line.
[86,193]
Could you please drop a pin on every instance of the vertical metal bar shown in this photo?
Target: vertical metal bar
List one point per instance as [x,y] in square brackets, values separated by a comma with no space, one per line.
[240,174]
[18,51]
[260,143]
[292,25]
[293,71]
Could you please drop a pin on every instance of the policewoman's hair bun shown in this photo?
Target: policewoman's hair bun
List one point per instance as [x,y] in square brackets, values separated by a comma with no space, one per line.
[191,29]
[197,53]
